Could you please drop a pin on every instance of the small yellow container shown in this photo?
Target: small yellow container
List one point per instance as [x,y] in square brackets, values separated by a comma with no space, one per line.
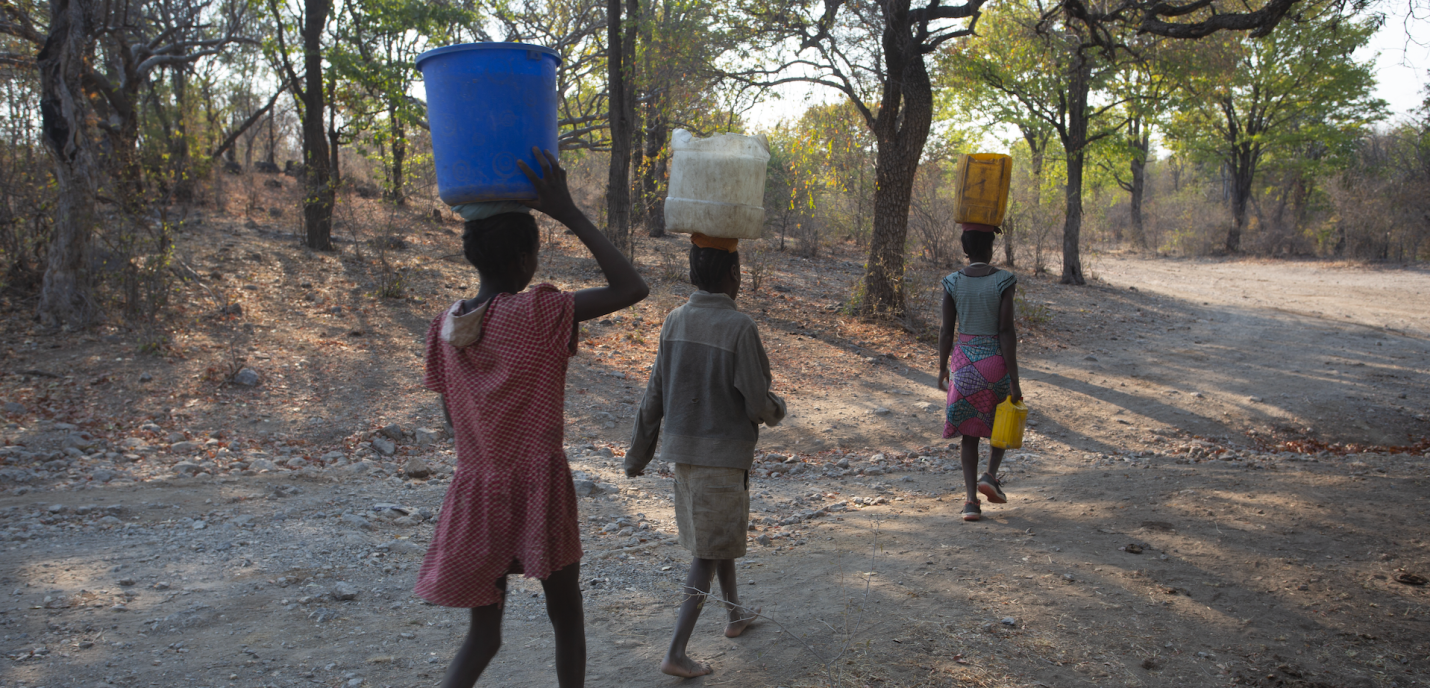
[981,188]
[1008,423]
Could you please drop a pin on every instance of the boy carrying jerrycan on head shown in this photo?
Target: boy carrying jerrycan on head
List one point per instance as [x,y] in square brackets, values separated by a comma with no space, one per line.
[710,389]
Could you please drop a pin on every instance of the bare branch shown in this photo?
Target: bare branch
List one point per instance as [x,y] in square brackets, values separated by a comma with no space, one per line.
[578,133]
[157,61]
[287,65]
[934,11]
[1163,9]
[579,120]
[15,60]
[252,120]
[21,26]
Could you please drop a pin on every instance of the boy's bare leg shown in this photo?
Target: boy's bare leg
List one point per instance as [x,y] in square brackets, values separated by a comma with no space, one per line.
[483,641]
[697,588]
[740,619]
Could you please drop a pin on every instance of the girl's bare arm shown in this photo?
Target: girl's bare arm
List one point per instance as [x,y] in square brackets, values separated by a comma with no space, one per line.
[1008,338]
[945,339]
[624,285]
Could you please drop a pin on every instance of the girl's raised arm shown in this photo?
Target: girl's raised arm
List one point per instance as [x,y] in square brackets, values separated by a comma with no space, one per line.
[624,285]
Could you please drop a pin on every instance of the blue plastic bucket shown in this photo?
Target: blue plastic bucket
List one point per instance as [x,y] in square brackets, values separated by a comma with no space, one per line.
[487,105]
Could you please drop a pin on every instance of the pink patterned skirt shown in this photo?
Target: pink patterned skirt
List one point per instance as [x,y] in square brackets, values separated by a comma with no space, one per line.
[980,381]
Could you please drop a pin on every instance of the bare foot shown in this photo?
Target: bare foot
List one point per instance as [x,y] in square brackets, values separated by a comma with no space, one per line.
[735,628]
[684,667]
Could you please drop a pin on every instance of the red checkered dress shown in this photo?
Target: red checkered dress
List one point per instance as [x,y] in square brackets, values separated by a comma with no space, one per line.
[511,507]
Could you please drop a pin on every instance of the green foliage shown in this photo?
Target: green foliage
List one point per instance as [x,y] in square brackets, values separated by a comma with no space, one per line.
[1276,94]
[790,195]
[1278,113]
[1030,314]
[1007,75]
[373,70]
[824,165]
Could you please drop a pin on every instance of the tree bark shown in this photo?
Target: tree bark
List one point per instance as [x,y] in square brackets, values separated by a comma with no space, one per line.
[1037,145]
[901,128]
[618,180]
[639,210]
[1141,145]
[1239,168]
[1242,173]
[399,156]
[66,294]
[317,176]
[272,138]
[654,170]
[1079,78]
[638,27]
[335,136]
[225,148]
[179,143]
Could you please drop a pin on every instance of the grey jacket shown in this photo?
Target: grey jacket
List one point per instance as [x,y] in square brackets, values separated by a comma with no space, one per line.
[710,385]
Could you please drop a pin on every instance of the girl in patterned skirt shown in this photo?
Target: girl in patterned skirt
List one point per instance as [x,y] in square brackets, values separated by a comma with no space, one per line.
[499,361]
[978,300]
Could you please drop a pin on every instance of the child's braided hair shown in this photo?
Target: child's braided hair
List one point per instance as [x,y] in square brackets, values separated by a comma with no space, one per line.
[709,266]
[494,244]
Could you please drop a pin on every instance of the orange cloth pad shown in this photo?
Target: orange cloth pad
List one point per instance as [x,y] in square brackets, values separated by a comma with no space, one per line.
[703,241]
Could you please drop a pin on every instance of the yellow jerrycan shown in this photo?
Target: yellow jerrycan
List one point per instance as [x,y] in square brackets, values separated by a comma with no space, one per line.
[1008,422]
[981,188]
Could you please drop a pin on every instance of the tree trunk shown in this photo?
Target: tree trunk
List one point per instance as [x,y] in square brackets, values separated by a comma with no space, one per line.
[66,294]
[1141,144]
[399,156]
[1008,258]
[335,177]
[157,108]
[1240,196]
[654,170]
[1037,144]
[1242,170]
[272,140]
[884,274]
[335,170]
[317,182]
[618,181]
[248,137]
[1139,189]
[901,129]
[179,143]
[640,205]
[639,210]
[1079,76]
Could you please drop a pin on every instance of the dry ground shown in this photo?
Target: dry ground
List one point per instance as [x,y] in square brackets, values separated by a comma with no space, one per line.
[1226,478]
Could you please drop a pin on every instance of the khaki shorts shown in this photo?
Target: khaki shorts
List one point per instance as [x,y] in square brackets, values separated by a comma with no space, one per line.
[712,510]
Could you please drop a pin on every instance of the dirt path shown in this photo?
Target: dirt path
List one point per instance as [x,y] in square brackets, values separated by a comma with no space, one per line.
[1340,354]
[1147,541]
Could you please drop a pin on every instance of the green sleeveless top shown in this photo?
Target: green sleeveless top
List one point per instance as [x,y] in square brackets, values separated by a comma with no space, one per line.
[977,299]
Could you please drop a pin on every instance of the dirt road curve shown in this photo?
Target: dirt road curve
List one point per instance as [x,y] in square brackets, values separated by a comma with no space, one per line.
[1148,540]
[1338,353]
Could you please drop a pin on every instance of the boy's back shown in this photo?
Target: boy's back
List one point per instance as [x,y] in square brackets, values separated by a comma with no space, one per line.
[710,385]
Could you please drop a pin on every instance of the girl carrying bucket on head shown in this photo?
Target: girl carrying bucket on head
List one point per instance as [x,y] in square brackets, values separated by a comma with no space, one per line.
[978,301]
[499,361]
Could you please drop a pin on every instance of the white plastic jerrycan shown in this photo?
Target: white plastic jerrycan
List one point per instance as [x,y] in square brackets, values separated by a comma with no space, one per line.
[717,185]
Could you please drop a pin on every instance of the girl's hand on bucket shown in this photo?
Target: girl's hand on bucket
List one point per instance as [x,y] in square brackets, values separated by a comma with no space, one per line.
[1016,391]
[553,197]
